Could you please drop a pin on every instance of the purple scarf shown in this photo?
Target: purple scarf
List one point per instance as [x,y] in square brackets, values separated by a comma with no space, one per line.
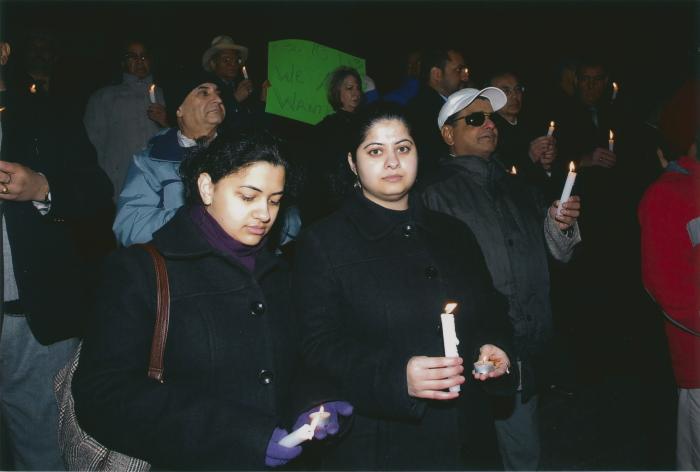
[219,239]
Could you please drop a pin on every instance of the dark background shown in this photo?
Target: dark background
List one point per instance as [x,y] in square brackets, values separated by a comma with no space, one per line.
[649,46]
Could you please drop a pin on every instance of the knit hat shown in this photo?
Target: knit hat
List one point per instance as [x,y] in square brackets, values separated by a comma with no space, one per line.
[221,43]
[180,90]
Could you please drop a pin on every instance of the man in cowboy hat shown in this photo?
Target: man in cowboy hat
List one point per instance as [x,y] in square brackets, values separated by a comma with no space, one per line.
[224,63]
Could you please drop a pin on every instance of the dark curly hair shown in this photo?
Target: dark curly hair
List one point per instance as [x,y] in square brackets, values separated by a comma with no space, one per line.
[336,81]
[228,154]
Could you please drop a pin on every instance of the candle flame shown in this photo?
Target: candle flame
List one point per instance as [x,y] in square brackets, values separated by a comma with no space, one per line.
[612,136]
[615,86]
[572,167]
[551,124]
[32,88]
[152,88]
[450,307]
[513,170]
[2,108]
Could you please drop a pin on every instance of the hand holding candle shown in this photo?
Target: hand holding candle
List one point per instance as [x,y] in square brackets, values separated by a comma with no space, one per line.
[566,193]
[298,436]
[493,362]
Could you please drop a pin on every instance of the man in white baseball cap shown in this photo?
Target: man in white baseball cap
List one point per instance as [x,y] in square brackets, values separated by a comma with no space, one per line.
[513,226]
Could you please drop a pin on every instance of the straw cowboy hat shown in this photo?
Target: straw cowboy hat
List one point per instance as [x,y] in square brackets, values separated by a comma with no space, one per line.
[221,43]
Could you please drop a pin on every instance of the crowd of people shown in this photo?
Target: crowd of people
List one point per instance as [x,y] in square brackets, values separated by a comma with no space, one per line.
[316,272]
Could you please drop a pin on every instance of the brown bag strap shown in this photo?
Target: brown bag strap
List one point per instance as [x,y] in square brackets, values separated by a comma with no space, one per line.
[160,333]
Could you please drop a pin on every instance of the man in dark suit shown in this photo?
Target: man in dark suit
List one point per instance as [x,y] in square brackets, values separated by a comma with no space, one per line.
[442,72]
[48,176]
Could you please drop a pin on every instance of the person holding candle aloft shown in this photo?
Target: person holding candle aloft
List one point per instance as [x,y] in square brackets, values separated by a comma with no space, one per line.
[515,229]
[120,119]
[522,140]
[223,64]
[232,346]
[370,282]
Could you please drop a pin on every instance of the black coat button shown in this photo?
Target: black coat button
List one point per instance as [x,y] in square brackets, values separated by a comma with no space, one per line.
[408,231]
[431,272]
[510,242]
[265,377]
[528,317]
[257,308]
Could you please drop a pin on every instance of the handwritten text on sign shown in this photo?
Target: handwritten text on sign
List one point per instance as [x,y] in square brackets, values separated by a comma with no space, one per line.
[298,71]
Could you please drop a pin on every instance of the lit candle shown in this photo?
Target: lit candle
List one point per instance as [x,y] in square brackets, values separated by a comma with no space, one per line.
[449,335]
[304,433]
[615,89]
[550,131]
[245,73]
[513,170]
[566,193]
[323,417]
[32,88]
[152,93]
[611,141]
[484,366]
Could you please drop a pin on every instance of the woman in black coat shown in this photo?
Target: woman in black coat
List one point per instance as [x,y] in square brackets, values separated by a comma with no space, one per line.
[231,350]
[370,283]
[328,179]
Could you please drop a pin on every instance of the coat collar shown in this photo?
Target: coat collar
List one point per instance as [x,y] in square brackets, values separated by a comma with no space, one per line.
[481,170]
[180,238]
[372,221]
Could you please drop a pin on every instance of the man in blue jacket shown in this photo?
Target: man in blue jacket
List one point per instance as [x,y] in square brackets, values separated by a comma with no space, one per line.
[153,191]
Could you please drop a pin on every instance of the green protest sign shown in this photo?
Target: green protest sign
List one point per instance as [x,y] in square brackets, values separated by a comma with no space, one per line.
[298,71]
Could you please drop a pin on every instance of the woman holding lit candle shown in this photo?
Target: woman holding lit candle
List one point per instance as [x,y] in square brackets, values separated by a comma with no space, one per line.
[231,350]
[371,282]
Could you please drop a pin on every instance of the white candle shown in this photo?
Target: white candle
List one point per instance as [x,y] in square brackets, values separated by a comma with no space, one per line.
[611,141]
[245,73]
[323,417]
[566,193]
[152,93]
[304,433]
[615,88]
[513,170]
[550,131]
[449,336]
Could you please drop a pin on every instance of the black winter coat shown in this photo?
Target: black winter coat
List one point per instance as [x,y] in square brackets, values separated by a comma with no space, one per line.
[370,289]
[229,357]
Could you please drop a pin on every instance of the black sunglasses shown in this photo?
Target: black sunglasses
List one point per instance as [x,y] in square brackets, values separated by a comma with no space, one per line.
[477,118]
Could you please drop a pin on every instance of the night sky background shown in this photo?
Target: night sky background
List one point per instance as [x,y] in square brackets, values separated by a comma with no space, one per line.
[649,46]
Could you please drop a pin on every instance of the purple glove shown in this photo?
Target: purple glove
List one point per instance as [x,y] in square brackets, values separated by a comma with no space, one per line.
[277,455]
[333,426]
